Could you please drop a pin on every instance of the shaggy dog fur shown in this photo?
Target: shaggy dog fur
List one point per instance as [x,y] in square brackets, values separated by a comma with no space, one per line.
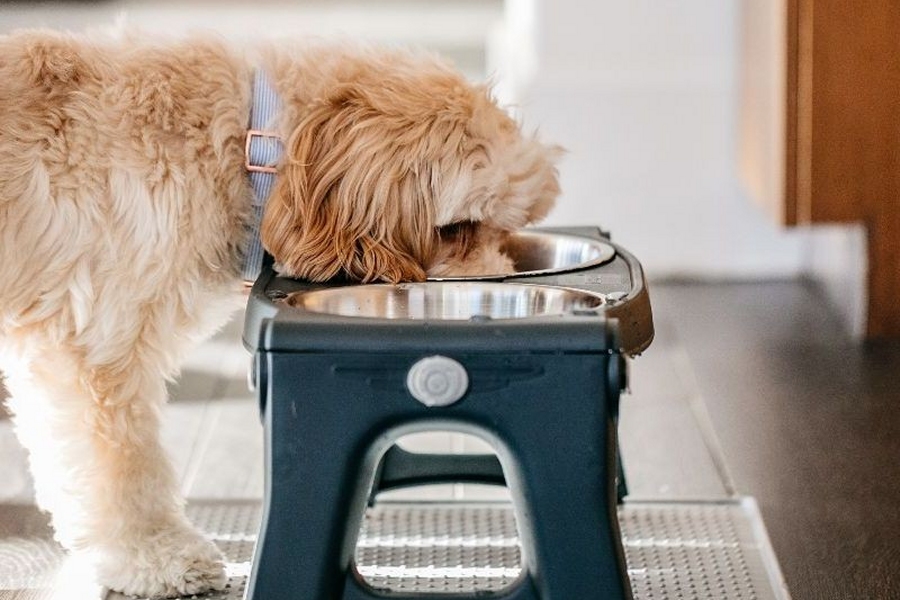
[123,211]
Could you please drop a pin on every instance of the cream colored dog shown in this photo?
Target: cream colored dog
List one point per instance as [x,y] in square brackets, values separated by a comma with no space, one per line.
[124,207]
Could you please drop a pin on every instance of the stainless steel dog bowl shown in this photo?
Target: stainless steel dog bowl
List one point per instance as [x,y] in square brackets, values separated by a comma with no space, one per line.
[545,253]
[446,300]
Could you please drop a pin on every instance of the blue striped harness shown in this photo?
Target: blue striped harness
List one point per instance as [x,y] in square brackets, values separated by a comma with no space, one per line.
[262,152]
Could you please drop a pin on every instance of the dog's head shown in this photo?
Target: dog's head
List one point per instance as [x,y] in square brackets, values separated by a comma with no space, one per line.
[401,170]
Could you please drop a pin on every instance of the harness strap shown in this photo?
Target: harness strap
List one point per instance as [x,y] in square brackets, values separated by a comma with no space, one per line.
[262,152]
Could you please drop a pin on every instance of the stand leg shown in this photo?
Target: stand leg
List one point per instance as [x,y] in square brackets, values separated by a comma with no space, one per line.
[319,470]
[561,464]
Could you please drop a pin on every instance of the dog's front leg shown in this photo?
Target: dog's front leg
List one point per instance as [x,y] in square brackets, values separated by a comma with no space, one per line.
[93,441]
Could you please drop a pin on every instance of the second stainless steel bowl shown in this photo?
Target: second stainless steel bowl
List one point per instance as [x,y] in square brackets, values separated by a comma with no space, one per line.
[544,253]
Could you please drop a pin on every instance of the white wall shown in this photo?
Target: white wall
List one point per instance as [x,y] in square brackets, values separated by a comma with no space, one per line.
[643,94]
[836,258]
[456,28]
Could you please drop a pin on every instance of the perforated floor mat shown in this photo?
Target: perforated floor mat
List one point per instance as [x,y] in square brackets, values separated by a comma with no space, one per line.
[675,551]
[685,551]
[439,548]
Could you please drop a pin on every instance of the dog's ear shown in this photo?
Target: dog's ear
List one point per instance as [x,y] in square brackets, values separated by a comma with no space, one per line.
[351,197]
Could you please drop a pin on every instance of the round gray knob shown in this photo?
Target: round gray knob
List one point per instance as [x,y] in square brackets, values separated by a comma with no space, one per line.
[437,381]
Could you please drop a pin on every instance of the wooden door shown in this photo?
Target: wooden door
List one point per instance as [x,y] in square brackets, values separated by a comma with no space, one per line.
[821,100]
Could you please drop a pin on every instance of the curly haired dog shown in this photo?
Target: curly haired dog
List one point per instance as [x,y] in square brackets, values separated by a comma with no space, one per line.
[124,212]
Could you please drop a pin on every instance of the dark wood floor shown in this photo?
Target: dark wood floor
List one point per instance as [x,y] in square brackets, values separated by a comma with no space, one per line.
[809,424]
[748,388]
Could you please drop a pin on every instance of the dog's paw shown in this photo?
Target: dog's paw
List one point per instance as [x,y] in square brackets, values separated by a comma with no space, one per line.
[171,563]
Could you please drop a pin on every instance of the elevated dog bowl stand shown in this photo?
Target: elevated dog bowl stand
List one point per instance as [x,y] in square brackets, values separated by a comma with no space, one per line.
[337,391]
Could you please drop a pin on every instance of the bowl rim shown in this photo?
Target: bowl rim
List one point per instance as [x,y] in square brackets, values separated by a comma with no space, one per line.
[601,299]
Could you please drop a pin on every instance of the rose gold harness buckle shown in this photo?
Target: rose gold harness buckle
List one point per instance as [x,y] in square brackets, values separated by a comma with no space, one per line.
[247,164]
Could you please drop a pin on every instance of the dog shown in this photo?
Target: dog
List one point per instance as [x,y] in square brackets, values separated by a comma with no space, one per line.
[125,212]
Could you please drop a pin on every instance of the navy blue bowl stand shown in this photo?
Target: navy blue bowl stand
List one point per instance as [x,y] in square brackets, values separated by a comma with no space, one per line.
[548,409]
